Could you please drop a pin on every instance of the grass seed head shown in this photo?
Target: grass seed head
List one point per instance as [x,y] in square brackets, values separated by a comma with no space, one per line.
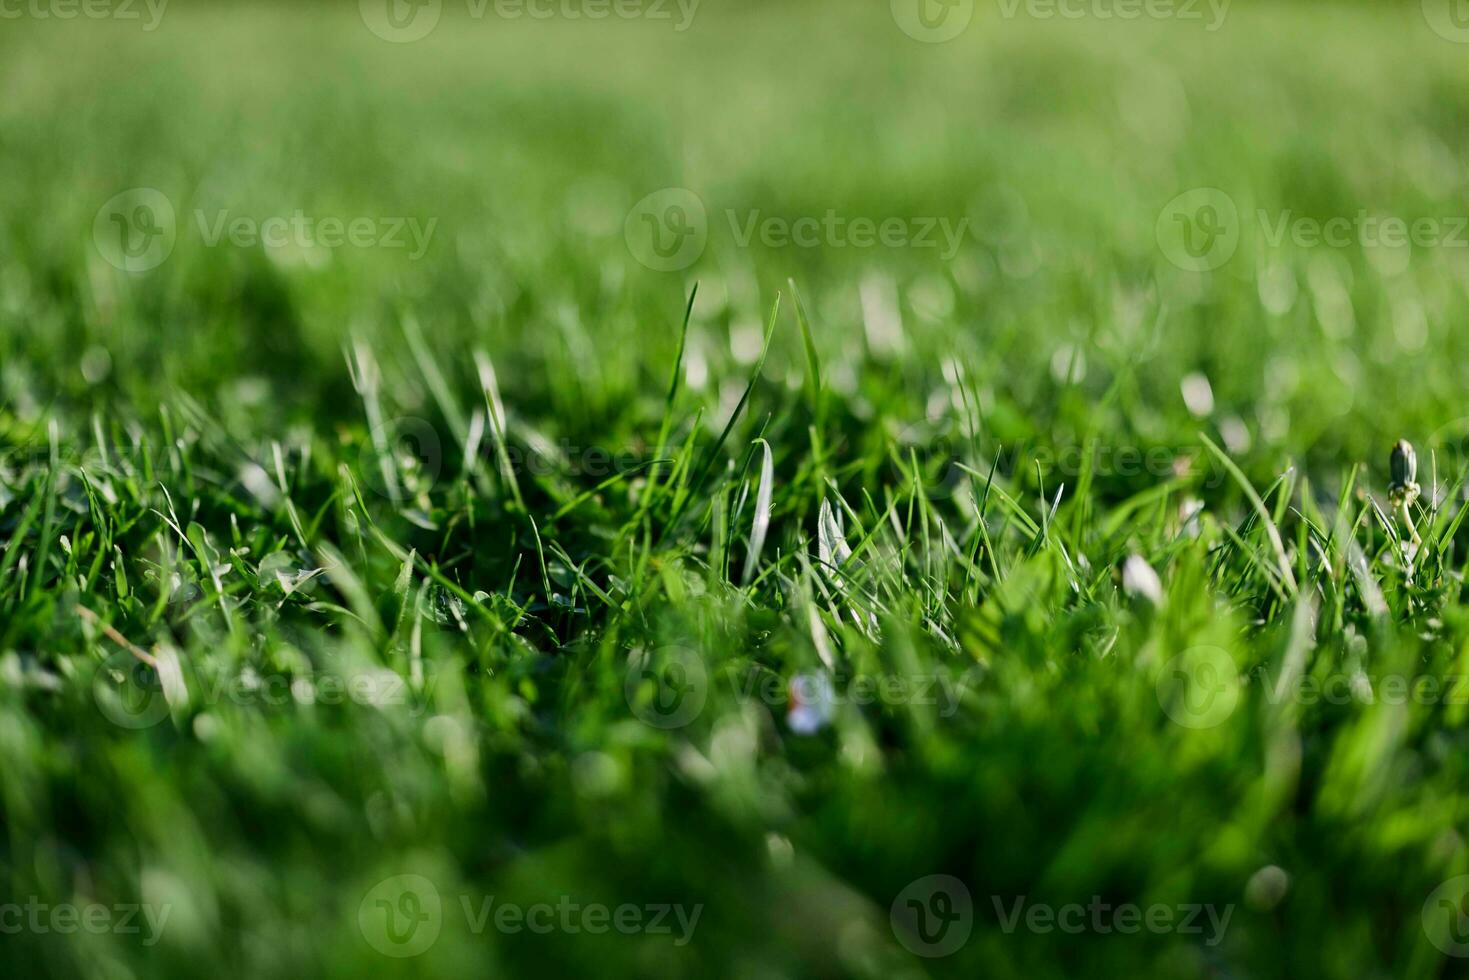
[1403,466]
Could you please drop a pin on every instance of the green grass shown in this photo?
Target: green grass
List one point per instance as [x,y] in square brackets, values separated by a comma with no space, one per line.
[495,566]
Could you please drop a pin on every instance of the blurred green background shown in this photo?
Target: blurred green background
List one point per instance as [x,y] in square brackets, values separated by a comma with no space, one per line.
[1060,141]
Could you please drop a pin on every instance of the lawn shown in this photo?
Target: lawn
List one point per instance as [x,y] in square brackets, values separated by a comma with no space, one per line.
[760,489]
